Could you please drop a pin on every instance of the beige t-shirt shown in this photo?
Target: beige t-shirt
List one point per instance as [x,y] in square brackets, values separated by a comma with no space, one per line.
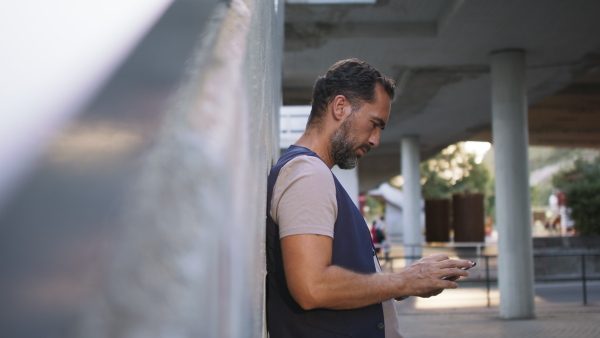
[298,209]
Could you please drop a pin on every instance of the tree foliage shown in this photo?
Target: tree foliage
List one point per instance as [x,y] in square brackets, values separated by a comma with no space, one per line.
[581,185]
[453,170]
[375,208]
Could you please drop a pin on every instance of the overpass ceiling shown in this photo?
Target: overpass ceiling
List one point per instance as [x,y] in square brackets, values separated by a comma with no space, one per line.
[439,52]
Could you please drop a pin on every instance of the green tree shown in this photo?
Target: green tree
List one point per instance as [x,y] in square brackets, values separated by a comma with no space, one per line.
[376,208]
[453,170]
[581,185]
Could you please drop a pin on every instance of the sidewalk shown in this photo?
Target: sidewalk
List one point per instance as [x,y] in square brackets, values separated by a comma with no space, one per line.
[552,320]
[463,312]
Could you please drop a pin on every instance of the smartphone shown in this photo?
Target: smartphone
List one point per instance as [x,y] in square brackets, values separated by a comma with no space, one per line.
[467,268]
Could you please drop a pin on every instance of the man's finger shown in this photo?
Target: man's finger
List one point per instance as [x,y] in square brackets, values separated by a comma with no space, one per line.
[453,274]
[435,258]
[431,293]
[457,263]
[450,284]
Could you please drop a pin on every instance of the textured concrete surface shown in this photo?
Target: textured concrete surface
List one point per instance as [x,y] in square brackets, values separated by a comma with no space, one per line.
[552,320]
[463,312]
[144,217]
[439,52]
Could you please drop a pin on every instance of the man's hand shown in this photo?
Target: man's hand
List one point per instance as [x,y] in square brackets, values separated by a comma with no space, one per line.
[431,294]
[424,278]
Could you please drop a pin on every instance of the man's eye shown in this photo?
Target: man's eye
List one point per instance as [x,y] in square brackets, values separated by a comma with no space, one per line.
[377,125]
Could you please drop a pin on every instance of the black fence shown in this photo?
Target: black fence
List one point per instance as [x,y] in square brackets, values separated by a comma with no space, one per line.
[549,267]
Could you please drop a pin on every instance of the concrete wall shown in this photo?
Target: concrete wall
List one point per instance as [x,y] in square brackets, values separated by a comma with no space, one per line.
[143,214]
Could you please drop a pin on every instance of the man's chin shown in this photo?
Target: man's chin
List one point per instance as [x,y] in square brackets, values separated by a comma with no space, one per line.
[348,165]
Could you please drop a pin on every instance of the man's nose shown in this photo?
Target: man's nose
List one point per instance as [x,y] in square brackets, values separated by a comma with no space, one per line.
[374,139]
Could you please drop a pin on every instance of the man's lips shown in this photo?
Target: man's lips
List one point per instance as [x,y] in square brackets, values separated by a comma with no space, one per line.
[364,150]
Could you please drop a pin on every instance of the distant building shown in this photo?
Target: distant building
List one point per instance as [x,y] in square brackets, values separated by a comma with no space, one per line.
[394,201]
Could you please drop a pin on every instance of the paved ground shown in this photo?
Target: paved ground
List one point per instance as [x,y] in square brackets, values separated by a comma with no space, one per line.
[464,312]
[451,317]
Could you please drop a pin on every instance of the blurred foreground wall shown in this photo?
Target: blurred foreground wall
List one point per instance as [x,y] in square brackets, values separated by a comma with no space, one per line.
[137,208]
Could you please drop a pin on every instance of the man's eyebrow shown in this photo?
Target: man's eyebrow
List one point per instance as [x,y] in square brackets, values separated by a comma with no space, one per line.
[380,122]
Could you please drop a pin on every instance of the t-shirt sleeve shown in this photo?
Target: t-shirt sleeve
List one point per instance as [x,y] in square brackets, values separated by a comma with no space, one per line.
[304,198]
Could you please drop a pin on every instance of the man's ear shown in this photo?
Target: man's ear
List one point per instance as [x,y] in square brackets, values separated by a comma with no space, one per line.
[341,107]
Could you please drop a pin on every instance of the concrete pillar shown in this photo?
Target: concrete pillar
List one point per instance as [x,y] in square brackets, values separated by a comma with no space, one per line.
[153,224]
[509,122]
[411,172]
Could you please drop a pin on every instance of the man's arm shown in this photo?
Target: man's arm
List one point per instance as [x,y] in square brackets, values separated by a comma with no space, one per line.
[315,283]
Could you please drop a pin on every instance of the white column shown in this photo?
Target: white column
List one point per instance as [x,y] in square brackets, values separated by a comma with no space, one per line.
[349,180]
[412,209]
[509,122]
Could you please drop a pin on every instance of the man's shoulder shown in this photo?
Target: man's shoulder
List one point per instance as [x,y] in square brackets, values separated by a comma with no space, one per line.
[307,165]
[307,174]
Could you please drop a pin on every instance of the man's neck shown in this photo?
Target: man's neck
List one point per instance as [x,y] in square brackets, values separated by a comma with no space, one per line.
[318,142]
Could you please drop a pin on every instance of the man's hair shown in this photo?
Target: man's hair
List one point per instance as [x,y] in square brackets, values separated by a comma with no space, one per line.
[353,78]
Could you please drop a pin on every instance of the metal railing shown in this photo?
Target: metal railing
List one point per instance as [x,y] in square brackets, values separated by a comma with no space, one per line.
[541,275]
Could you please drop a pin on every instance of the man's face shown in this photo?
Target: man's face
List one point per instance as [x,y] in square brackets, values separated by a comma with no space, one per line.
[360,131]
[344,145]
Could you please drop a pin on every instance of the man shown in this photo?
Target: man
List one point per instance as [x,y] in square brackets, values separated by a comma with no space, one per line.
[323,277]
[381,230]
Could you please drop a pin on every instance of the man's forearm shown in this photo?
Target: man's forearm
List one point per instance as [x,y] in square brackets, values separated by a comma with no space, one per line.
[315,282]
[339,288]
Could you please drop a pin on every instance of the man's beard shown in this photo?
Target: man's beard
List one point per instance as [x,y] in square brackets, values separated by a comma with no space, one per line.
[342,147]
